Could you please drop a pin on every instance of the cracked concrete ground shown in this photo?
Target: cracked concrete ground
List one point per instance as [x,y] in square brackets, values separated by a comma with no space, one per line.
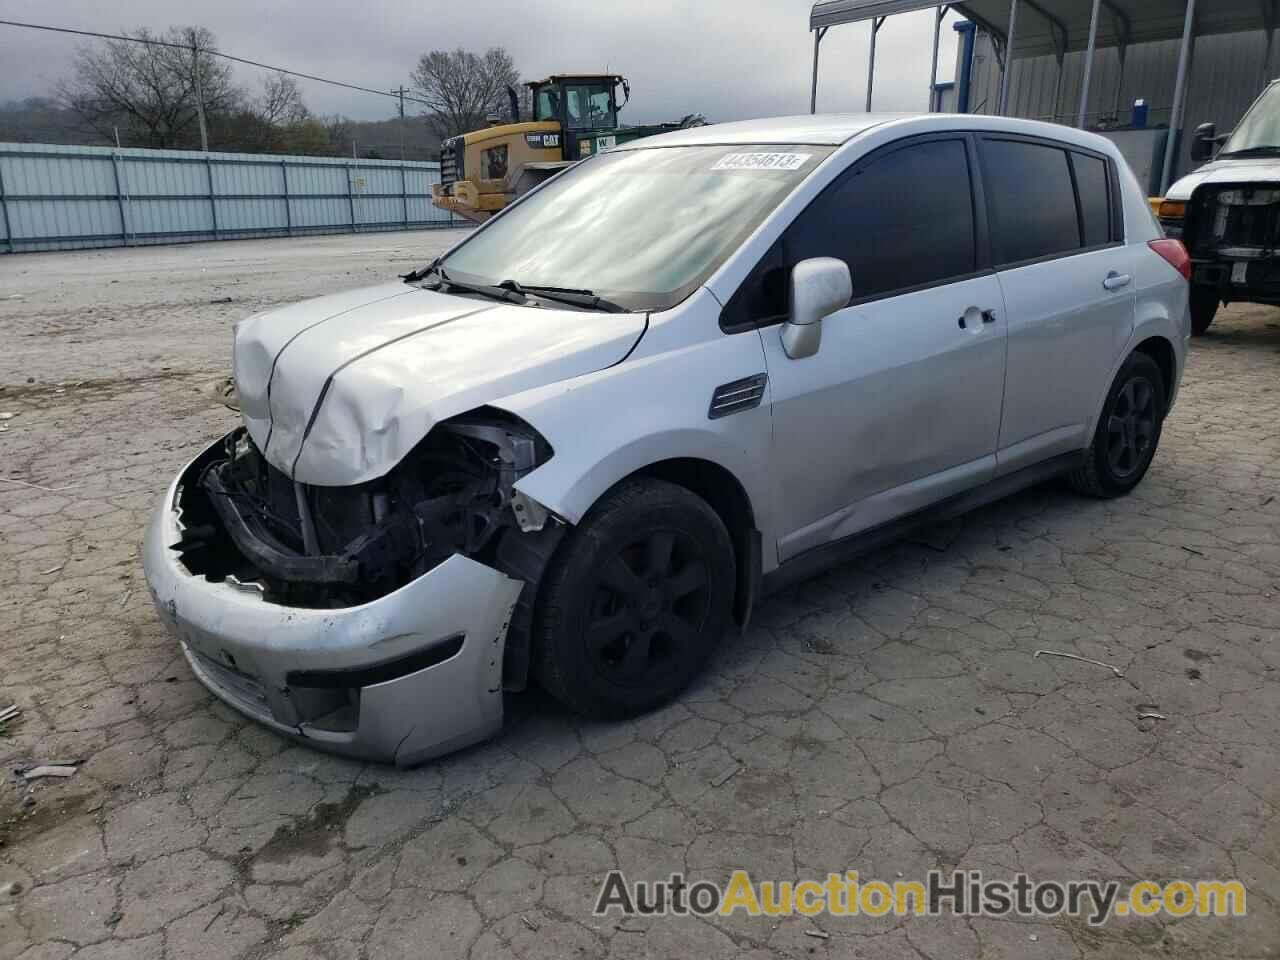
[888,717]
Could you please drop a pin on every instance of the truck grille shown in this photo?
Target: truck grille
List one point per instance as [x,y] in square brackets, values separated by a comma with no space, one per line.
[1226,218]
[450,163]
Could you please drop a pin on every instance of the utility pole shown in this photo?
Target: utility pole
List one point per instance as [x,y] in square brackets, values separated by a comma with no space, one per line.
[400,92]
[195,71]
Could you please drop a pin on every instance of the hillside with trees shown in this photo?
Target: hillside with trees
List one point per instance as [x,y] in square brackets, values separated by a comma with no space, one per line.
[148,94]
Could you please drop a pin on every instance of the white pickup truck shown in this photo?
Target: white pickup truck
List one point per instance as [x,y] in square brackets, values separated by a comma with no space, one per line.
[1227,212]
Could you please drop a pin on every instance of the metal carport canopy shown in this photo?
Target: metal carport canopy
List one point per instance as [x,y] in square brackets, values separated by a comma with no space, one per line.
[1042,23]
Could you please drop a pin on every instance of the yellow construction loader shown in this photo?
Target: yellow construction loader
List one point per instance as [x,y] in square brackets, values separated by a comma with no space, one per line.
[574,116]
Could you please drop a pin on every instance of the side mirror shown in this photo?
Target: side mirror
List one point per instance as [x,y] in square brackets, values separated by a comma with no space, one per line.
[819,286]
[1206,138]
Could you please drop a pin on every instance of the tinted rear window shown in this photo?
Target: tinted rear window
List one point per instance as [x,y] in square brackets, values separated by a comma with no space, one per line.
[1095,203]
[1031,204]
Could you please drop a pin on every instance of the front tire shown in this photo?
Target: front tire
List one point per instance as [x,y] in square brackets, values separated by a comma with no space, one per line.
[1128,431]
[1204,306]
[635,601]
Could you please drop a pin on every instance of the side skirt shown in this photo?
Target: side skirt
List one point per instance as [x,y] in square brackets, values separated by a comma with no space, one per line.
[815,561]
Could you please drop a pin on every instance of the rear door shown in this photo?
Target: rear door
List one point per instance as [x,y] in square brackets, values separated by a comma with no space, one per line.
[900,406]
[1067,279]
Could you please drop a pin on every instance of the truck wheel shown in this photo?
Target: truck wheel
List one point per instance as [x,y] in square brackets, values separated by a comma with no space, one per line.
[635,601]
[1128,431]
[1204,304]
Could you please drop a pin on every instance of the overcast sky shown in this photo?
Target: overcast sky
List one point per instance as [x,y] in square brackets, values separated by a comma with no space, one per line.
[728,59]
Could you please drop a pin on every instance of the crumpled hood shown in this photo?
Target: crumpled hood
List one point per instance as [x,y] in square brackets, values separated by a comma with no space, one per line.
[1226,171]
[336,390]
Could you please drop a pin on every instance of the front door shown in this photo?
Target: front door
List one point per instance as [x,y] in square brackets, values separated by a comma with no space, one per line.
[901,404]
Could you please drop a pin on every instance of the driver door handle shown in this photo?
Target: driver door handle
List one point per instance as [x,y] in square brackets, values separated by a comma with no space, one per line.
[988,316]
[1115,280]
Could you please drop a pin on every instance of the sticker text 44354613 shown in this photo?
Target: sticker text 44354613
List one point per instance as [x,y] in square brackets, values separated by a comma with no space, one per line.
[761,161]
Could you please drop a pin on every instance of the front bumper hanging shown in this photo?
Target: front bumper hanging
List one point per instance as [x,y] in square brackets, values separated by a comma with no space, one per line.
[408,676]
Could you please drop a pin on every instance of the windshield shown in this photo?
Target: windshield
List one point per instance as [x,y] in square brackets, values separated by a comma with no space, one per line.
[1260,128]
[643,228]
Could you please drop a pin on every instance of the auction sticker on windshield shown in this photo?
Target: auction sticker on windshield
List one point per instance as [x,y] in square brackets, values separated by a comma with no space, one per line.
[761,161]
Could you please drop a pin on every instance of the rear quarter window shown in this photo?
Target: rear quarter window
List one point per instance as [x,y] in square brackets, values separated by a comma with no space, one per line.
[1094,186]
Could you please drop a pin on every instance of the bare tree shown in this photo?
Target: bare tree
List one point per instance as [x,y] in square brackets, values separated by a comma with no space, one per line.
[340,134]
[462,88]
[280,103]
[150,89]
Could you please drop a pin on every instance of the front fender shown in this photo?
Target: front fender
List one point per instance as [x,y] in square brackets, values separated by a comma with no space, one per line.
[654,406]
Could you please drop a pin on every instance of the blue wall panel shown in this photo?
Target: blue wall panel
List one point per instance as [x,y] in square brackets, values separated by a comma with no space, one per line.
[56,197]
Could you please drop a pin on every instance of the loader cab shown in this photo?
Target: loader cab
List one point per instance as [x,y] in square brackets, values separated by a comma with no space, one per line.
[580,104]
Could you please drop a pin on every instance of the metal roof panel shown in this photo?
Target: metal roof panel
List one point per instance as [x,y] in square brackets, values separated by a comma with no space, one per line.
[1042,23]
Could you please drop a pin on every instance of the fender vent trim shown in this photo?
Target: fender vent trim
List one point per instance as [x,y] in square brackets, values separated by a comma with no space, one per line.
[737,396]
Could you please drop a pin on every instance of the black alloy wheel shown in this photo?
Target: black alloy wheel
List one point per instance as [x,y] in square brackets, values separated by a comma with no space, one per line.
[648,607]
[1128,431]
[1131,426]
[634,601]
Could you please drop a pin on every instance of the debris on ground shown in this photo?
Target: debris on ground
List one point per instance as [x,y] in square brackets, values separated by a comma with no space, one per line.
[221,908]
[1076,656]
[49,770]
[817,934]
[224,392]
[1151,715]
[529,923]
[721,779]
[35,486]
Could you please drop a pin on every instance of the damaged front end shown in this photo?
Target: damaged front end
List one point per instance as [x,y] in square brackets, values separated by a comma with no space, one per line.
[382,620]
[316,546]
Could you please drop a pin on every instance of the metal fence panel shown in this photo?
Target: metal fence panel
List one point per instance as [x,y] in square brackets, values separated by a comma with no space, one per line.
[55,197]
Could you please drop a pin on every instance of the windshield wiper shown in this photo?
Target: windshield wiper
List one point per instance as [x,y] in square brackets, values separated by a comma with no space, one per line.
[483,289]
[576,297]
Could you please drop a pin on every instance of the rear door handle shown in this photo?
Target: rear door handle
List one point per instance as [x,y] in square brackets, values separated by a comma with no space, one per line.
[1115,280]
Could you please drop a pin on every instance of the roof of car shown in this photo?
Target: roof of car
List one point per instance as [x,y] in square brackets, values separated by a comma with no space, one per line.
[837,128]
[824,128]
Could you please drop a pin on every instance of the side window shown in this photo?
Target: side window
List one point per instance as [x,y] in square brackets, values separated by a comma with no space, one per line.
[589,108]
[548,104]
[1030,201]
[493,163]
[1094,187]
[903,219]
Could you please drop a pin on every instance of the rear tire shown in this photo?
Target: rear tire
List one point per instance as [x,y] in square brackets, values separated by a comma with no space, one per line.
[1128,431]
[635,601]
[1204,305]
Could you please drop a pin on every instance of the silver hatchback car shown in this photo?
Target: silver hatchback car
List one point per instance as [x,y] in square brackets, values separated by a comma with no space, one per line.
[585,441]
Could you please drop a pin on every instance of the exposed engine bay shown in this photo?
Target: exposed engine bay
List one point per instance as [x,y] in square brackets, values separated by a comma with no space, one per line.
[246,521]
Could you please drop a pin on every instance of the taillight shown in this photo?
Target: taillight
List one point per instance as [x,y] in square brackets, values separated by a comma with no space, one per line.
[1175,254]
